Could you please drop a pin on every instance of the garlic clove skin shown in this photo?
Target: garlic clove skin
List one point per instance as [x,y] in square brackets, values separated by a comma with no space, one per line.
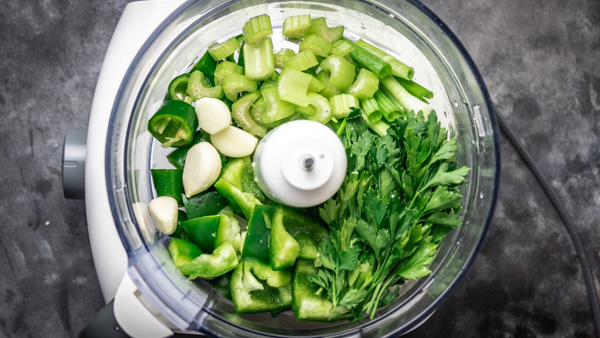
[234,142]
[163,210]
[202,168]
[213,115]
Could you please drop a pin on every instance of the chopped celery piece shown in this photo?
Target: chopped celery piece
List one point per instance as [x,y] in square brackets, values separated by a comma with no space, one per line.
[416,89]
[281,56]
[370,107]
[293,85]
[256,29]
[219,51]
[342,48]
[302,61]
[341,71]
[240,112]
[379,127]
[317,44]
[398,68]
[295,26]
[306,111]
[318,26]
[389,110]
[315,85]
[226,68]
[276,108]
[342,104]
[403,97]
[370,61]
[321,108]
[198,87]
[328,90]
[365,85]
[258,60]
[258,109]
[236,83]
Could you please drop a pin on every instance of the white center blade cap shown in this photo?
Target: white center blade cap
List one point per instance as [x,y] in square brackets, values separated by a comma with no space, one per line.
[300,163]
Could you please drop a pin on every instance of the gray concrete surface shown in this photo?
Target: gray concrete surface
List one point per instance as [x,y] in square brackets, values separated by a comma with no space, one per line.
[539,59]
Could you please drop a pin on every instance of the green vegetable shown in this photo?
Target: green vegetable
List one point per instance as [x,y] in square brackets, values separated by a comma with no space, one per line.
[389,110]
[342,105]
[329,89]
[275,108]
[226,68]
[293,86]
[207,66]
[370,61]
[342,47]
[206,203]
[318,26]
[238,186]
[206,266]
[220,51]
[257,29]
[177,157]
[283,248]
[168,182]
[235,84]
[202,231]
[256,244]
[182,251]
[178,87]
[255,287]
[174,124]
[341,71]
[397,67]
[371,109]
[295,26]
[179,232]
[199,87]
[301,61]
[240,112]
[281,56]
[317,44]
[397,91]
[416,89]
[365,85]
[383,215]
[258,60]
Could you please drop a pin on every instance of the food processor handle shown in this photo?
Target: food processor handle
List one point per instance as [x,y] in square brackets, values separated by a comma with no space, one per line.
[73,167]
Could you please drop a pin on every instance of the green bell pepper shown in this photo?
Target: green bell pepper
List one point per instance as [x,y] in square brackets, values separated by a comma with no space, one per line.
[182,251]
[238,186]
[168,182]
[283,248]
[255,287]
[206,203]
[203,230]
[229,229]
[307,304]
[174,124]
[221,261]
[258,235]
[179,232]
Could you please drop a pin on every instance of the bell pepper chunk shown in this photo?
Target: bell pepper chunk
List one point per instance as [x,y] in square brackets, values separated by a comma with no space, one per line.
[238,186]
[256,244]
[168,182]
[206,266]
[203,230]
[182,251]
[255,288]
[307,231]
[228,230]
[206,203]
[174,124]
[307,304]
[283,248]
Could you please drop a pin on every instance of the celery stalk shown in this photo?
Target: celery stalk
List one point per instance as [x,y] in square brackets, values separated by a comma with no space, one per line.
[276,108]
[370,107]
[342,48]
[258,60]
[389,110]
[318,26]
[365,85]
[295,26]
[281,56]
[403,97]
[341,71]
[366,59]
[293,86]
[321,108]
[226,68]
[198,87]
[302,61]
[219,51]
[328,90]
[236,83]
[240,112]
[257,29]
[315,85]
[342,104]
[398,68]
[319,45]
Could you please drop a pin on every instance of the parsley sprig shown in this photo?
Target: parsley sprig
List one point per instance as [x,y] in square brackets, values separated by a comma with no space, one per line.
[398,201]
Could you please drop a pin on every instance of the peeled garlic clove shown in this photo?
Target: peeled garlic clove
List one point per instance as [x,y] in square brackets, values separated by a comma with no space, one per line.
[202,168]
[234,142]
[163,210]
[213,115]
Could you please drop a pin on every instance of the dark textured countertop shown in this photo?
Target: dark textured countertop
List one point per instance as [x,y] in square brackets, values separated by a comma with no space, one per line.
[539,59]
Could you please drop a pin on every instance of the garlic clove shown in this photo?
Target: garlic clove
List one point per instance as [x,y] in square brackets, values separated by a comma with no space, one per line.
[163,210]
[234,142]
[202,168]
[213,115]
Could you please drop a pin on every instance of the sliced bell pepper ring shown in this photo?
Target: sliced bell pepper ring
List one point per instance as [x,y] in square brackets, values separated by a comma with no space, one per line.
[174,124]
[207,66]
[182,251]
[307,304]
[255,287]
[205,266]
[206,203]
[178,88]
[168,182]
[258,235]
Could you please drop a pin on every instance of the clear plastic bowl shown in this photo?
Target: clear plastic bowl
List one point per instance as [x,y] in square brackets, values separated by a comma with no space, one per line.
[405,29]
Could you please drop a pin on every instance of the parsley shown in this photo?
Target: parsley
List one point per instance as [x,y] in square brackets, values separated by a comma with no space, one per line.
[398,201]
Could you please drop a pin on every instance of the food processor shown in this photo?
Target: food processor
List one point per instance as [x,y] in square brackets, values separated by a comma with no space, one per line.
[155,41]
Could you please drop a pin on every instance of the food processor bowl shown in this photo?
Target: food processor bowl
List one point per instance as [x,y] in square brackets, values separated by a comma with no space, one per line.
[405,29]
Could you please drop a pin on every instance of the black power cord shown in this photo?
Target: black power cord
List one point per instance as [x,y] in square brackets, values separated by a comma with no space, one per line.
[562,212]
